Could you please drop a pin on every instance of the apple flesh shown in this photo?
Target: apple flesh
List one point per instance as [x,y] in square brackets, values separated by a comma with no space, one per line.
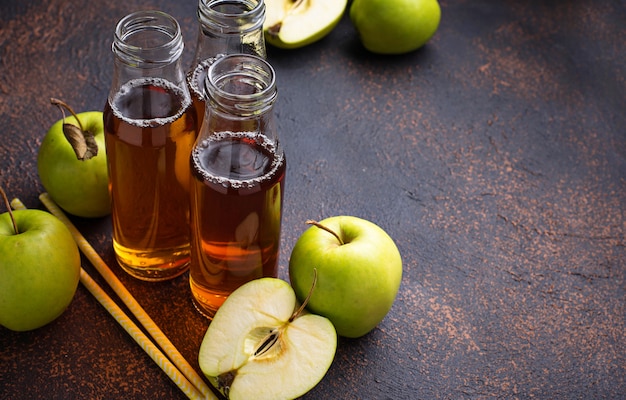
[258,345]
[80,187]
[359,273]
[39,269]
[292,24]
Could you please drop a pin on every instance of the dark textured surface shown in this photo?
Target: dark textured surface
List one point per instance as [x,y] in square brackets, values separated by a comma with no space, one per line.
[495,157]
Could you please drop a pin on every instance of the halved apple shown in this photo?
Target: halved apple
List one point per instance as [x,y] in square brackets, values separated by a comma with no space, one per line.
[260,345]
[290,24]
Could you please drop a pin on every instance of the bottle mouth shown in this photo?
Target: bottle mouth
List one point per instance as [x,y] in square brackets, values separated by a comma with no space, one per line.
[148,38]
[232,16]
[242,84]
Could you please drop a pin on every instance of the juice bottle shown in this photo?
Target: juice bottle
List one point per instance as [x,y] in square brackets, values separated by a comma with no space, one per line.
[237,182]
[150,128]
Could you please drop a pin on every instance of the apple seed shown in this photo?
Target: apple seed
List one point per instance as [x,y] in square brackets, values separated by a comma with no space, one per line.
[267,343]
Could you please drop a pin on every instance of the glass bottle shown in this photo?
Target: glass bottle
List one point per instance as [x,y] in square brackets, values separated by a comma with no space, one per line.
[237,182]
[225,27]
[150,128]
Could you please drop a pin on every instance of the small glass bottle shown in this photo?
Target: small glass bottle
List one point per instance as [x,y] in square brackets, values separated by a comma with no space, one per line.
[225,27]
[237,182]
[150,128]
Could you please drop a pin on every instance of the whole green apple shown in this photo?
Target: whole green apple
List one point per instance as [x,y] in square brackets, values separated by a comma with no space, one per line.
[291,24]
[395,26]
[80,187]
[39,269]
[359,270]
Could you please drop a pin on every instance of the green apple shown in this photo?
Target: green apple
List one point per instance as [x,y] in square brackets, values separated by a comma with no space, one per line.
[395,26]
[359,269]
[78,186]
[39,269]
[290,24]
[259,346]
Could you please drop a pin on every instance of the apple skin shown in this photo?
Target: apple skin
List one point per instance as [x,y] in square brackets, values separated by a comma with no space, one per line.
[39,269]
[357,282]
[395,26]
[79,187]
[300,20]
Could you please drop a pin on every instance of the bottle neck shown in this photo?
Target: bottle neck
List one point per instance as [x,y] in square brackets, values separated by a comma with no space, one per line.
[147,44]
[230,27]
[241,92]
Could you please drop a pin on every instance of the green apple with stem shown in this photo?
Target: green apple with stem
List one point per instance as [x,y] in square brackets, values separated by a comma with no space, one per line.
[39,268]
[291,24]
[395,26]
[72,163]
[262,345]
[359,268]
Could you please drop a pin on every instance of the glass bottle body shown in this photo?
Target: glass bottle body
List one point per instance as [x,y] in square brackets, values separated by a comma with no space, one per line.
[237,183]
[225,27]
[150,127]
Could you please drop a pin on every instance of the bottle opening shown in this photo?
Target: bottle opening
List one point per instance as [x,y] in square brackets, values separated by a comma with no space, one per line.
[241,82]
[147,38]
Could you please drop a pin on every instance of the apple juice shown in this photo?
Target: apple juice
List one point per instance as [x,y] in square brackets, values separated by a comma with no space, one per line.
[150,129]
[237,187]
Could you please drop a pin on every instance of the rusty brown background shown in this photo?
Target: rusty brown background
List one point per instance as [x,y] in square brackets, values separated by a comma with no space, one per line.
[495,157]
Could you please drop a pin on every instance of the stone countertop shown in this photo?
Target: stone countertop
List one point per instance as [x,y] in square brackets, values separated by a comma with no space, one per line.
[495,157]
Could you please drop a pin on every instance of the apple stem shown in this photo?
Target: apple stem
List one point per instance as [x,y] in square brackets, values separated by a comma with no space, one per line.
[83,142]
[299,311]
[8,205]
[315,223]
[63,105]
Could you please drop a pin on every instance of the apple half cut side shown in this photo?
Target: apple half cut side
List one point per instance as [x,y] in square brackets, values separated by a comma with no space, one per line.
[291,24]
[260,346]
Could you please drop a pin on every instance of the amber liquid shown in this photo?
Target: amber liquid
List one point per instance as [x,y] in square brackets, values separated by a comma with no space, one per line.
[236,195]
[150,130]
